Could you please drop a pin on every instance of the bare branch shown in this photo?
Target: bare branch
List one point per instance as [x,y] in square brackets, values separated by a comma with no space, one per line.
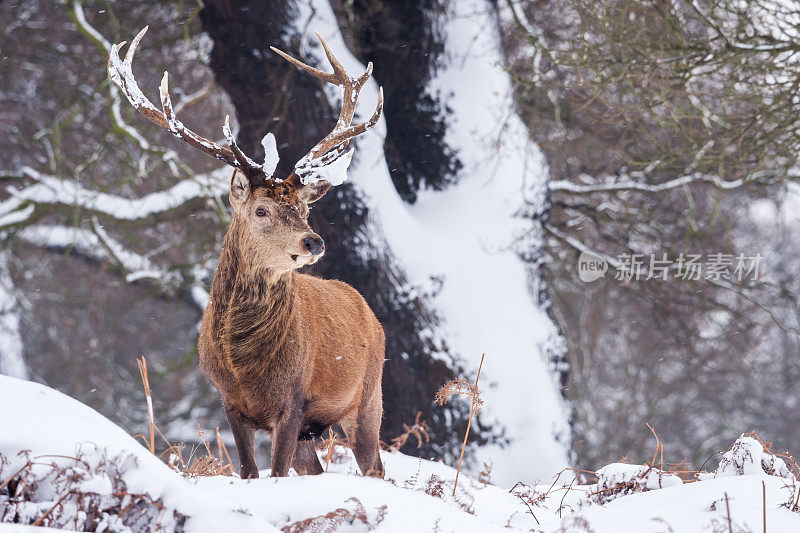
[97,245]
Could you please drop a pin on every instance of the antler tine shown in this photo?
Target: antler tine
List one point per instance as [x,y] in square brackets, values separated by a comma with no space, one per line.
[343,131]
[338,69]
[343,136]
[134,45]
[243,160]
[317,73]
[121,73]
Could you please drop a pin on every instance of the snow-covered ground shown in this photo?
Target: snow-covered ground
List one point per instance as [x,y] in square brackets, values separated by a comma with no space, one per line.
[79,457]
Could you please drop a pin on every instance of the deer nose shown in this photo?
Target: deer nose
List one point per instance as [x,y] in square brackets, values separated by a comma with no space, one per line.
[315,245]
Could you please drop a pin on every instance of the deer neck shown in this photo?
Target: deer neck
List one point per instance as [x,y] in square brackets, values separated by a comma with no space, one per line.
[253,307]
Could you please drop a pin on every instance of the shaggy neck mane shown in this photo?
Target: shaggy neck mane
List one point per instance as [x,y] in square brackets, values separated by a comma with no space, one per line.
[253,308]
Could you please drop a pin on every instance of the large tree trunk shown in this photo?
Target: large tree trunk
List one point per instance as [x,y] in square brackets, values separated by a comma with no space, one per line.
[11,360]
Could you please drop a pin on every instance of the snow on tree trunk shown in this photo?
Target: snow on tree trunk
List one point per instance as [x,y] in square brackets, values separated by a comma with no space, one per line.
[464,235]
[11,361]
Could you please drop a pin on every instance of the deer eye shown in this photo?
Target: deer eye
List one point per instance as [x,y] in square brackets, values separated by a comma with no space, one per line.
[261,212]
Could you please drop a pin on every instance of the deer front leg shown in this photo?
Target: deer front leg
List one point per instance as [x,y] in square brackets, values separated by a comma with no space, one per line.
[284,442]
[244,435]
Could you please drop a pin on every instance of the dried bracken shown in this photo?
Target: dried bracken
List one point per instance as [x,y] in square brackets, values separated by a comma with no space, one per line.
[532,496]
[788,459]
[460,386]
[337,449]
[485,475]
[793,502]
[529,496]
[750,455]
[195,465]
[419,430]
[434,487]
[82,493]
[619,479]
[342,516]
[439,488]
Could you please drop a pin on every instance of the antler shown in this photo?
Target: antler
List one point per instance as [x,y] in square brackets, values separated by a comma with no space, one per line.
[121,73]
[333,145]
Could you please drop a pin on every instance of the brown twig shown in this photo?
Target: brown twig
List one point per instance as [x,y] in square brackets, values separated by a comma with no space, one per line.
[659,448]
[203,440]
[796,500]
[764,503]
[728,512]
[528,505]
[45,515]
[330,444]
[142,362]
[223,449]
[15,474]
[76,459]
[615,487]
[564,496]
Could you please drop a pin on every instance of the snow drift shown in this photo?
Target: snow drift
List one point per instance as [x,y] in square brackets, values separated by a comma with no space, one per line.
[66,467]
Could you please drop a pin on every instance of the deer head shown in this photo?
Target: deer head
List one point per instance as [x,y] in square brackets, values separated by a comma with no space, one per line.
[269,213]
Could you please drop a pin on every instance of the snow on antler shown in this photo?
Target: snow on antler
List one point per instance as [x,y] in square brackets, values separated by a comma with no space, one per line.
[121,73]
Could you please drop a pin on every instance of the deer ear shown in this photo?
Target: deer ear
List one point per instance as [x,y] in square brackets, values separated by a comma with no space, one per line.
[240,189]
[313,191]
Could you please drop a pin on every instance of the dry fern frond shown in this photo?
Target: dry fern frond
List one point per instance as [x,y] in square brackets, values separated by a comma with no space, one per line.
[337,518]
[462,387]
[485,475]
[207,465]
[459,387]
[335,448]
[55,496]
[419,431]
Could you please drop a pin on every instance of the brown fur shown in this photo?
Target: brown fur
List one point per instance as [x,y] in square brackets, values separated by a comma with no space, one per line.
[289,353]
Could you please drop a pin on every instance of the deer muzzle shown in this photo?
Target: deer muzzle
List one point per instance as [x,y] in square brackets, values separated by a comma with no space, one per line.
[314,244]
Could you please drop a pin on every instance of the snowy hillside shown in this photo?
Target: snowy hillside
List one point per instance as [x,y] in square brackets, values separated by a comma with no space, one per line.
[67,467]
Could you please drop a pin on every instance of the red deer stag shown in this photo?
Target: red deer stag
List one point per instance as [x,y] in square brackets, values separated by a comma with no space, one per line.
[289,353]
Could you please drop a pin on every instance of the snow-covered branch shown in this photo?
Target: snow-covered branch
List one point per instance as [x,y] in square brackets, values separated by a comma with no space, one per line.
[644,273]
[733,43]
[97,245]
[633,185]
[28,190]
[169,156]
[54,191]
[579,246]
